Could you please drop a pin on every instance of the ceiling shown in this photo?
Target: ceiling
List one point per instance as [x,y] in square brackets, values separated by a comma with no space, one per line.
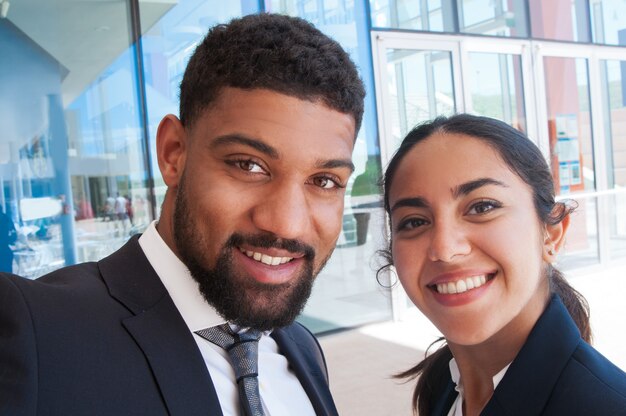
[84,36]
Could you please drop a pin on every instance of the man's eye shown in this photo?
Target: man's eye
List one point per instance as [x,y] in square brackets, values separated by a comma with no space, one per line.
[325,182]
[250,166]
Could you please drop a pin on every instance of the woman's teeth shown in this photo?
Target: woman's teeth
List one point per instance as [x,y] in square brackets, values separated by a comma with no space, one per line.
[462,285]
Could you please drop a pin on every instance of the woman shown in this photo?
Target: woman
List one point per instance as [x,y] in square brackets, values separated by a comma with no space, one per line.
[475,230]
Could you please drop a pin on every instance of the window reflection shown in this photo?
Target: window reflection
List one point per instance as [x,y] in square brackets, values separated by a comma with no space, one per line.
[493,17]
[571,152]
[497,87]
[71,137]
[608,23]
[613,80]
[429,15]
[571,142]
[559,20]
[421,87]
[72,167]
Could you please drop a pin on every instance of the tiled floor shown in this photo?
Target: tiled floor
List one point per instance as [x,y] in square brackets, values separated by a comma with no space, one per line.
[361,361]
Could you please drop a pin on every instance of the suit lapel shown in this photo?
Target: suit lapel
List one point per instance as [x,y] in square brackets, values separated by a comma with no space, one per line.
[305,365]
[160,332]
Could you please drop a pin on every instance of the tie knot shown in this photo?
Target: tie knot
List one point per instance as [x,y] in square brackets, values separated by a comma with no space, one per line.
[242,348]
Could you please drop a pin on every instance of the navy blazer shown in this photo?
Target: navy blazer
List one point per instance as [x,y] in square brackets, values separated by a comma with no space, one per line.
[555,373]
[106,339]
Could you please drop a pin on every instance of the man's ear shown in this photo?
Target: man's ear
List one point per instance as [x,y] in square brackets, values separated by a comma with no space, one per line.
[171,145]
[554,239]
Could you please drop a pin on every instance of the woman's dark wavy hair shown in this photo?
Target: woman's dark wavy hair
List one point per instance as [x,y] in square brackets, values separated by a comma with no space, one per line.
[276,52]
[527,162]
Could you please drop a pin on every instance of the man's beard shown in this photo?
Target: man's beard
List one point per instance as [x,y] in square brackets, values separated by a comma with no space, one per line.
[240,299]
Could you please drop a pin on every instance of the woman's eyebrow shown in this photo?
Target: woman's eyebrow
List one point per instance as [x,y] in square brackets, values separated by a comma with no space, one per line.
[458,191]
[414,202]
[467,187]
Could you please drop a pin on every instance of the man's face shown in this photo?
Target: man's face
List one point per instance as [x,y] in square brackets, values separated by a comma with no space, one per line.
[259,201]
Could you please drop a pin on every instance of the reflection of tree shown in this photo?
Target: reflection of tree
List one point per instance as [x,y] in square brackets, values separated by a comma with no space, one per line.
[367,182]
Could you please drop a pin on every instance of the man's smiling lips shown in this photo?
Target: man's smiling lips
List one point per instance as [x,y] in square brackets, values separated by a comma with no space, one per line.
[271,266]
[266,258]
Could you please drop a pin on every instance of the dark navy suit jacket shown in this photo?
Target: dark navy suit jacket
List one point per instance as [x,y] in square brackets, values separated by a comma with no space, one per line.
[106,339]
[555,373]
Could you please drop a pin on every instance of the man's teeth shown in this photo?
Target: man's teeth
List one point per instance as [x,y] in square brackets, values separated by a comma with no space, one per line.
[462,285]
[265,259]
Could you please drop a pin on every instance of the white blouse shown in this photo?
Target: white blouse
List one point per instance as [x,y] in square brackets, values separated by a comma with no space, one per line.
[457,406]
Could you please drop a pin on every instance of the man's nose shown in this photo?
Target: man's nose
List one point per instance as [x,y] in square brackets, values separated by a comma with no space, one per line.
[285,211]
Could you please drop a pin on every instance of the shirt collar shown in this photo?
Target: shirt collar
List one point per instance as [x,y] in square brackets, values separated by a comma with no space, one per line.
[456,376]
[183,289]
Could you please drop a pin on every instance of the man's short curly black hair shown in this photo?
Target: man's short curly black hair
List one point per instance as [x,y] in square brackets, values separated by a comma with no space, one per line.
[270,51]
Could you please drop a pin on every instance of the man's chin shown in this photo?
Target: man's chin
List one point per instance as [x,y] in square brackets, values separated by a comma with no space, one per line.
[268,307]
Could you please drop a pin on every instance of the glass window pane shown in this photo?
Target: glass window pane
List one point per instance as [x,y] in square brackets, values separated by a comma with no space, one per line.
[74,181]
[493,17]
[560,20]
[613,81]
[427,15]
[571,151]
[608,22]
[420,86]
[497,88]
[571,144]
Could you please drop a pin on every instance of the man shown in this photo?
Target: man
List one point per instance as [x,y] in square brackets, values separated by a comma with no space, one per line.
[256,169]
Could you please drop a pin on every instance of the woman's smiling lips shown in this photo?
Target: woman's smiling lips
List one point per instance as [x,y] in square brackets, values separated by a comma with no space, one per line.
[460,287]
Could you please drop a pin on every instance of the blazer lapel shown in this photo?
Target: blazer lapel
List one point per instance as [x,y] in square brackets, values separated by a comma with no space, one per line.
[444,403]
[529,381]
[305,366]
[160,332]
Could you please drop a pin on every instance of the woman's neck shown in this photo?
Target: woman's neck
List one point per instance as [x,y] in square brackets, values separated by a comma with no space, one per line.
[479,363]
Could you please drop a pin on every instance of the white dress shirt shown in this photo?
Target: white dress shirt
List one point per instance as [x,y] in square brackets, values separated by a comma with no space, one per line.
[281,391]
[457,406]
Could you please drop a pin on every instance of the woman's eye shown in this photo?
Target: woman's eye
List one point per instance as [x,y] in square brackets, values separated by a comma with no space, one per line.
[411,224]
[483,207]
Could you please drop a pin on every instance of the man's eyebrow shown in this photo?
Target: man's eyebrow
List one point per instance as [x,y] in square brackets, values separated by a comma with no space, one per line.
[470,186]
[414,202]
[335,163]
[246,141]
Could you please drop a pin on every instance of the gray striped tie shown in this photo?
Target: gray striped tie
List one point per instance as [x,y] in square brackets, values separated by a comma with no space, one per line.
[243,350]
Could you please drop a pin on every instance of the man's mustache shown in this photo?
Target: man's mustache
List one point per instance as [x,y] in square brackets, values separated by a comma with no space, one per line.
[272,241]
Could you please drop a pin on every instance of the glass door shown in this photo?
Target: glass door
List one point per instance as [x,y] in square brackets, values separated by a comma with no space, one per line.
[498,82]
[416,80]
[581,104]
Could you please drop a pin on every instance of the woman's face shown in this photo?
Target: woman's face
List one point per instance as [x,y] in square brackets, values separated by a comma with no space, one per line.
[467,244]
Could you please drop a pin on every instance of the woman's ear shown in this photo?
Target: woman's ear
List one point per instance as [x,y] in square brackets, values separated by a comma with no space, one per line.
[171,144]
[555,238]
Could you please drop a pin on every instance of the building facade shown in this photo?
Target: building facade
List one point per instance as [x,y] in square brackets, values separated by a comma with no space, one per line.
[84,84]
